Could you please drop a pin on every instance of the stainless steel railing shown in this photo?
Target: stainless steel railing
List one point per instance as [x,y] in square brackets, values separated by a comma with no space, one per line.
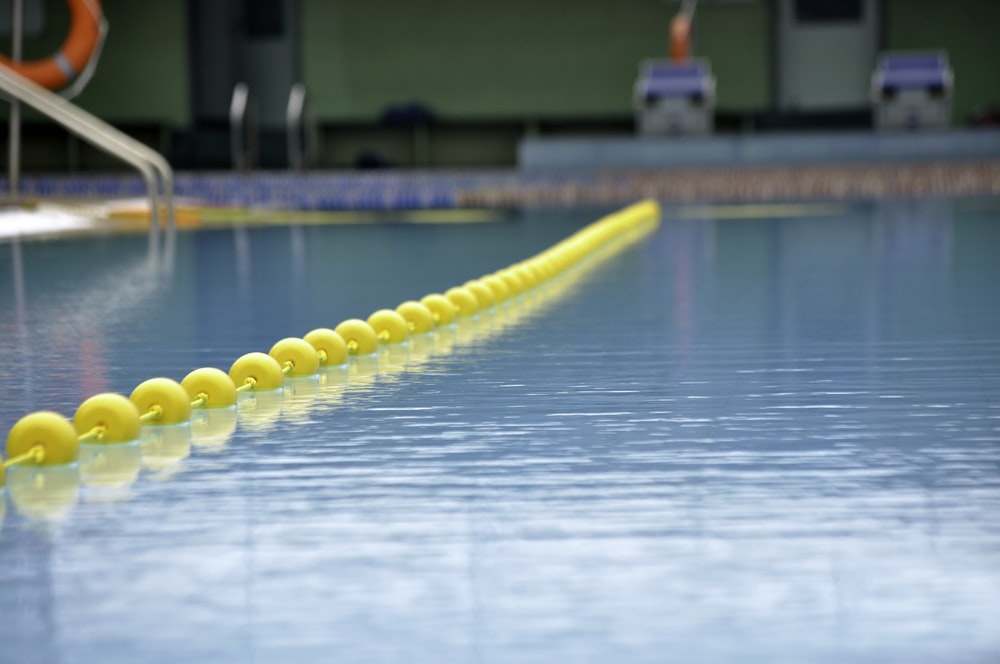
[155,170]
[300,130]
[243,128]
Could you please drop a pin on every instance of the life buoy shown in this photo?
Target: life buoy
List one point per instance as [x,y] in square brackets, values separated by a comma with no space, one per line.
[57,71]
[680,38]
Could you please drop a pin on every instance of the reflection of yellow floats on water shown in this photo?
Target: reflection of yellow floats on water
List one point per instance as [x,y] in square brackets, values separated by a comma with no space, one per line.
[361,373]
[393,360]
[332,379]
[211,428]
[445,339]
[44,493]
[298,397]
[332,387]
[325,367]
[419,352]
[259,411]
[110,469]
[164,447]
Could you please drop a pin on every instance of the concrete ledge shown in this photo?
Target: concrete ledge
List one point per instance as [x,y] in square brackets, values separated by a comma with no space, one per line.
[581,154]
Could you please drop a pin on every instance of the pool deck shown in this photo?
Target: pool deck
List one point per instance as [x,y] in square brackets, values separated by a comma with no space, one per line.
[752,169]
[727,151]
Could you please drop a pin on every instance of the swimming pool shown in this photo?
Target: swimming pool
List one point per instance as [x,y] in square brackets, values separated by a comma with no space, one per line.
[762,434]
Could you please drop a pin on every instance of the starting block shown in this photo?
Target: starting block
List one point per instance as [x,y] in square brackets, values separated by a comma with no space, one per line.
[912,91]
[674,98]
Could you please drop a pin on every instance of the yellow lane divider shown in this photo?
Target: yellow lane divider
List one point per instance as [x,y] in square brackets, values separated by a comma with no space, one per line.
[46,438]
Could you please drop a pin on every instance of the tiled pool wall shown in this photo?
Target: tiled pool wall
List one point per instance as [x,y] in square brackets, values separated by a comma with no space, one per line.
[398,190]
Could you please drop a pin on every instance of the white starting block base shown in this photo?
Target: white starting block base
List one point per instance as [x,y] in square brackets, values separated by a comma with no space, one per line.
[913,109]
[674,116]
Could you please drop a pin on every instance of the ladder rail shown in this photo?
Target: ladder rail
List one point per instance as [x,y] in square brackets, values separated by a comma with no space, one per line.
[293,122]
[154,168]
[301,131]
[243,128]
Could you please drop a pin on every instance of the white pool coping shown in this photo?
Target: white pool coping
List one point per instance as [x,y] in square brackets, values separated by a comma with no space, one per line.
[43,221]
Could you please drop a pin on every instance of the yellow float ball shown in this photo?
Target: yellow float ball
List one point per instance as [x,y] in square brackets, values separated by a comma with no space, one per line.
[50,431]
[484,296]
[542,268]
[389,326]
[463,299]
[526,275]
[359,336]
[164,396]
[261,367]
[512,281]
[418,317]
[112,417]
[212,385]
[297,353]
[330,346]
[497,286]
[443,310]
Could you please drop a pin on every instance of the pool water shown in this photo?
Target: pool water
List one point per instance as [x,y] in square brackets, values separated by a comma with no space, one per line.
[765,435]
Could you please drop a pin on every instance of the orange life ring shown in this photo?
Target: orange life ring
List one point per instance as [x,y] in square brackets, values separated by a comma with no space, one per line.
[680,38]
[84,33]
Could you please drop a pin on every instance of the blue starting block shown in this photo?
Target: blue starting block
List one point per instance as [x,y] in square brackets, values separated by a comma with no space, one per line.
[912,91]
[674,97]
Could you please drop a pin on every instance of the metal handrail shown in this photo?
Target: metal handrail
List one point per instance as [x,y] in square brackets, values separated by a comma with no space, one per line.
[242,128]
[14,129]
[293,121]
[154,168]
[301,133]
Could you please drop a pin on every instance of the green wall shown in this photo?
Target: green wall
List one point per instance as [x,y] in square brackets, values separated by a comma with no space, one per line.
[144,68]
[967,29]
[142,76]
[518,58]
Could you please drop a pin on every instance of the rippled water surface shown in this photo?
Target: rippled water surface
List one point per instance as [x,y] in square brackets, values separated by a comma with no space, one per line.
[741,440]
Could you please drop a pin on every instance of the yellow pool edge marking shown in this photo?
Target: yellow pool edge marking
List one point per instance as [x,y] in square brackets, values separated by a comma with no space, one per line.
[91,218]
[738,211]
[198,216]
[47,438]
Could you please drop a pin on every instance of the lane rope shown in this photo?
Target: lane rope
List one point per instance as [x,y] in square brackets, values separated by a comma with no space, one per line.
[45,438]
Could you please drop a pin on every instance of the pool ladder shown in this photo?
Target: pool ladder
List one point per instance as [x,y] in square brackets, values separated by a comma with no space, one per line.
[155,170]
[301,130]
[244,129]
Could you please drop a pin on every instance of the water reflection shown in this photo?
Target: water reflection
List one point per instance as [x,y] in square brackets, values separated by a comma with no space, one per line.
[299,396]
[65,298]
[111,468]
[164,447]
[211,428]
[45,494]
[802,281]
[779,433]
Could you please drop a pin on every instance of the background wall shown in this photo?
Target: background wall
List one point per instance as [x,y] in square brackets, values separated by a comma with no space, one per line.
[141,83]
[491,71]
[143,75]
[143,72]
[516,58]
[967,29]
